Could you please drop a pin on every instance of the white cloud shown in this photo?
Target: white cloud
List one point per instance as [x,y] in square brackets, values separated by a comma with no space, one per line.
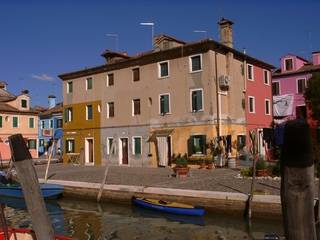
[42,77]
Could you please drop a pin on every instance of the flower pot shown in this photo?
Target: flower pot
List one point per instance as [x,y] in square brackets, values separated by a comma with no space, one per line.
[262,173]
[181,171]
[210,166]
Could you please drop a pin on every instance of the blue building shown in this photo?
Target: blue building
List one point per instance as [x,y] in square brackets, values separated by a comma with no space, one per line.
[50,129]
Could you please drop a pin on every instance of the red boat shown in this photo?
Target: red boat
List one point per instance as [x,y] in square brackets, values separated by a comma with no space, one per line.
[25,234]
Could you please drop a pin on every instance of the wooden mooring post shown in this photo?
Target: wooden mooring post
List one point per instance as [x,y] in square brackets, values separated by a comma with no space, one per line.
[28,179]
[297,182]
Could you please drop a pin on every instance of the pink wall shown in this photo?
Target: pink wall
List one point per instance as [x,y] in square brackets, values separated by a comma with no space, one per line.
[260,91]
[297,62]
[316,58]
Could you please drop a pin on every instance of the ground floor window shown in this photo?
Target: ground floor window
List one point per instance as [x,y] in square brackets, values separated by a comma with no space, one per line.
[109,146]
[32,143]
[41,142]
[136,146]
[197,144]
[70,146]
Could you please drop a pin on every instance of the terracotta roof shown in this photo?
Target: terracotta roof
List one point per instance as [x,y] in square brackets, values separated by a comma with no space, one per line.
[172,53]
[4,107]
[5,96]
[162,37]
[111,54]
[305,69]
[55,110]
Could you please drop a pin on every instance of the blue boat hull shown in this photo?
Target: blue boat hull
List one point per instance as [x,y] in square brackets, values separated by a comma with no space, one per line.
[196,211]
[49,191]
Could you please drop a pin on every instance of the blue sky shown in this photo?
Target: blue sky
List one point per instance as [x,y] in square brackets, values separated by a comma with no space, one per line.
[42,39]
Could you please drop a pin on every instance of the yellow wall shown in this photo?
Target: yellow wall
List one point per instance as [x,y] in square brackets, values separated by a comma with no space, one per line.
[80,128]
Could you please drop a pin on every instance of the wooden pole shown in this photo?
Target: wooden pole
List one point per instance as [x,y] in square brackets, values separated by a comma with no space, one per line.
[297,182]
[28,179]
[49,160]
[112,150]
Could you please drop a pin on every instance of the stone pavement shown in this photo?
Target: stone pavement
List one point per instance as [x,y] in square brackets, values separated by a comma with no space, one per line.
[223,180]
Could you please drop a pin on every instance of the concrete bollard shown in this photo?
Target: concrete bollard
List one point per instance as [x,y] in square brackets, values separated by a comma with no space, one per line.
[297,182]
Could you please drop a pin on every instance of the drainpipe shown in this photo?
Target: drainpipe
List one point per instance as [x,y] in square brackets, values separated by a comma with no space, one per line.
[218,95]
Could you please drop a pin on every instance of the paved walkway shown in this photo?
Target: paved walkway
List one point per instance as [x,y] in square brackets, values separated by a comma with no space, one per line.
[223,180]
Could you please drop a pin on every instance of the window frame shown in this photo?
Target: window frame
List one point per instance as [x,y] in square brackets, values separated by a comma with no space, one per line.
[203,147]
[18,122]
[51,123]
[108,79]
[202,96]
[159,69]
[285,65]
[297,85]
[69,83]
[68,113]
[279,91]
[68,151]
[87,83]
[190,63]
[109,146]
[42,124]
[265,106]
[254,104]
[252,72]
[134,145]
[169,103]
[35,143]
[26,101]
[1,121]
[59,125]
[133,75]
[31,118]
[268,77]
[108,110]
[87,112]
[133,107]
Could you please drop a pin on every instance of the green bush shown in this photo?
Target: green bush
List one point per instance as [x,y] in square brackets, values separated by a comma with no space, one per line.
[276,169]
[261,164]
[181,161]
[246,172]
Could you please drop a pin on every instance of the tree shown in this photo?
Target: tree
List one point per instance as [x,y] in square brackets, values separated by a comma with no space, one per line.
[312,95]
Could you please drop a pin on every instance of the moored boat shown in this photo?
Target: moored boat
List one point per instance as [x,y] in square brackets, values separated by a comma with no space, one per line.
[24,234]
[169,207]
[49,191]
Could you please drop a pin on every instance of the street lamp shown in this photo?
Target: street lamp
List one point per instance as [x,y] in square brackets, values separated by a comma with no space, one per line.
[116,37]
[201,31]
[152,29]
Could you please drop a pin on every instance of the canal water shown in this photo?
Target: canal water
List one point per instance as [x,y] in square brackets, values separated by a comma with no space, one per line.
[86,220]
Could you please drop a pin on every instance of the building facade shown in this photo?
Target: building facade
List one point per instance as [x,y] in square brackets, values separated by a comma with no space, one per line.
[173,100]
[17,116]
[50,125]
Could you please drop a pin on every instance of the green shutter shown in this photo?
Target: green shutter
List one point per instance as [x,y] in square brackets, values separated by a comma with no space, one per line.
[137,146]
[203,144]
[23,103]
[31,122]
[15,122]
[0,121]
[89,109]
[190,146]
[65,114]
[166,103]
[89,83]
[199,100]
[194,101]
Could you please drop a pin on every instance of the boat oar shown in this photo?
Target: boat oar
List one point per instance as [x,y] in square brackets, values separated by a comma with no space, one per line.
[49,160]
[28,179]
[4,223]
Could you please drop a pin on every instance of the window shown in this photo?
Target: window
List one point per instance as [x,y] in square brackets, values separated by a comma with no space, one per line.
[136,74]
[197,100]
[276,88]
[301,85]
[266,77]
[195,63]
[24,103]
[163,69]
[164,104]
[89,83]
[15,122]
[136,146]
[70,146]
[31,122]
[69,87]
[89,113]
[109,145]
[42,124]
[197,144]
[68,115]
[110,79]
[267,106]
[59,123]
[110,109]
[0,121]
[32,144]
[250,72]
[135,107]
[51,123]
[288,63]
[41,142]
[251,105]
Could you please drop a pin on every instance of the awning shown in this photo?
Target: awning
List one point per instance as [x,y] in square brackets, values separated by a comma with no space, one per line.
[160,133]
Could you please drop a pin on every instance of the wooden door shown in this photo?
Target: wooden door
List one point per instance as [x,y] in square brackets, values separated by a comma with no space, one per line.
[125,150]
[90,142]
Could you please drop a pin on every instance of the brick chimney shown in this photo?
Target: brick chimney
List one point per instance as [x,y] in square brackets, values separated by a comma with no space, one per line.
[316,58]
[226,32]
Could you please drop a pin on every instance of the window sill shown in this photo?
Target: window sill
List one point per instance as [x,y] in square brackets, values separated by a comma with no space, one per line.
[163,77]
[198,111]
[197,71]
[164,114]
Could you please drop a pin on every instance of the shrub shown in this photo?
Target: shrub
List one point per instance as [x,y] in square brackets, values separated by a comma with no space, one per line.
[276,169]
[246,172]
[181,161]
[261,164]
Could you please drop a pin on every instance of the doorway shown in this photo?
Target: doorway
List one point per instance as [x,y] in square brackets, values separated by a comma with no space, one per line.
[124,151]
[164,150]
[89,153]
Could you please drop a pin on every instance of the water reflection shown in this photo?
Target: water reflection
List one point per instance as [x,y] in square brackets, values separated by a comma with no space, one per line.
[85,220]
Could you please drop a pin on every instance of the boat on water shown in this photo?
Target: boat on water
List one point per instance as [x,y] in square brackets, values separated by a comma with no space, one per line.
[169,207]
[24,234]
[49,191]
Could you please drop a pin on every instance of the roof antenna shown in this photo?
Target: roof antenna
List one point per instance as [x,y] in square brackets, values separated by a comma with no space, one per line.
[244,50]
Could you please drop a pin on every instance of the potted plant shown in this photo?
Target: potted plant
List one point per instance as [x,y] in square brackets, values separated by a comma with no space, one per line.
[197,150]
[261,168]
[181,168]
[210,163]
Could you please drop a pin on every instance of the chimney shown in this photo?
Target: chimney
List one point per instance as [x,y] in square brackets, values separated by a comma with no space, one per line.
[316,58]
[52,101]
[3,85]
[25,92]
[226,32]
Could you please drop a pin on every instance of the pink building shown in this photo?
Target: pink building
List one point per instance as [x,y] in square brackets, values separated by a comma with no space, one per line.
[288,86]
[16,116]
